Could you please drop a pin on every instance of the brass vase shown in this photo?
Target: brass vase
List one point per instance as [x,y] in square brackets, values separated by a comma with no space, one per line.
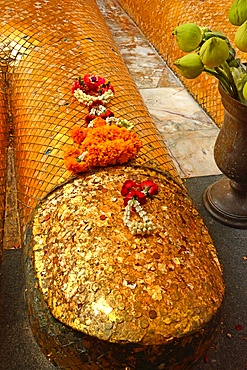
[226,199]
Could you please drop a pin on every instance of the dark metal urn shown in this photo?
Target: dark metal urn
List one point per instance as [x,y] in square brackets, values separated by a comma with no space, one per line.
[226,199]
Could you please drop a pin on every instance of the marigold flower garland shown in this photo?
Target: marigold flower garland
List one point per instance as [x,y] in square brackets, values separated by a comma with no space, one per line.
[101,145]
[107,141]
[135,196]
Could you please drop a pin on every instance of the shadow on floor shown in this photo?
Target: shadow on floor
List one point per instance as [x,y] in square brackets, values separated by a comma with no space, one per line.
[18,348]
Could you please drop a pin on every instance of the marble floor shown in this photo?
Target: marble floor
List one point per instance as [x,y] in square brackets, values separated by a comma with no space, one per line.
[187,130]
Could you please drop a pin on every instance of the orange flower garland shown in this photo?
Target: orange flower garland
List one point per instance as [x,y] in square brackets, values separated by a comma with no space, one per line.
[78,134]
[101,145]
[106,140]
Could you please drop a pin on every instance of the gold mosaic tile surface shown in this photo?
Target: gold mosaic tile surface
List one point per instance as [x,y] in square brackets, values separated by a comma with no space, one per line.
[100,279]
[47,46]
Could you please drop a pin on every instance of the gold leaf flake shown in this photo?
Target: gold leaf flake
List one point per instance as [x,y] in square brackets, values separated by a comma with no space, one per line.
[100,279]
[155,292]
[101,306]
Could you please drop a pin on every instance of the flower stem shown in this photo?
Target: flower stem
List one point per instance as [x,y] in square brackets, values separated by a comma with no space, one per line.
[221,77]
[232,82]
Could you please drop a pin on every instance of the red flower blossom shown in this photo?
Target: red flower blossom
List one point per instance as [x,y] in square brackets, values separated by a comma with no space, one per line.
[141,197]
[106,88]
[93,82]
[132,190]
[135,194]
[106,114]
[95,103]
[129,196]
[76,85]
[128,186]
[89,118]
[149,187]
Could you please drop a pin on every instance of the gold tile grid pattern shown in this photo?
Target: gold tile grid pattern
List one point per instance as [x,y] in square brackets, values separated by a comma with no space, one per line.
[47,45]
[158,18]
